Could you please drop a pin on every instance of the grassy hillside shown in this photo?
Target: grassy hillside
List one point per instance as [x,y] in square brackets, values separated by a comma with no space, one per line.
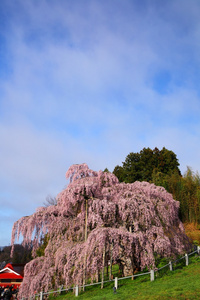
[182,283]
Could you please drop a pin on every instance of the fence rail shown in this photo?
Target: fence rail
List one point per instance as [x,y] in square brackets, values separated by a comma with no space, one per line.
[76,288]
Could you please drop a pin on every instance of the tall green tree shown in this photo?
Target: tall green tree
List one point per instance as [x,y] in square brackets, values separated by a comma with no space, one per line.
[144,165]
[168,162]
[119,173]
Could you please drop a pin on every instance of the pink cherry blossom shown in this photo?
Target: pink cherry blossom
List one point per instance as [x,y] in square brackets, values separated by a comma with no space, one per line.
[96,217]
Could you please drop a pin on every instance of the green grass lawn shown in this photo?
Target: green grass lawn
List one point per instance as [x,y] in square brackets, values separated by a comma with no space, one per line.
[182,283]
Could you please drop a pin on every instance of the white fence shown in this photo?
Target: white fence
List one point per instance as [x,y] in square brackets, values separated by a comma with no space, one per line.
[76,289]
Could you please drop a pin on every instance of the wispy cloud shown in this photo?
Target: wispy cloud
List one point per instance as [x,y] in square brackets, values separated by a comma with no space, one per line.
[90,82]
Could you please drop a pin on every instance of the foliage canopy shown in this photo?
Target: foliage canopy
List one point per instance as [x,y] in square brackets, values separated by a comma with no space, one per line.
[141,166]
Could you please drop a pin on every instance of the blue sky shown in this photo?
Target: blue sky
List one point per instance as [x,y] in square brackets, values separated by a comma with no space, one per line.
[91,81]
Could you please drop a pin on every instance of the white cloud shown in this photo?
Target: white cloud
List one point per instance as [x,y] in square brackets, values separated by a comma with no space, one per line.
[83,85]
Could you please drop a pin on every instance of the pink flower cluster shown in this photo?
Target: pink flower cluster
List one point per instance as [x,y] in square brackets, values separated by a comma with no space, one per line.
[126,224]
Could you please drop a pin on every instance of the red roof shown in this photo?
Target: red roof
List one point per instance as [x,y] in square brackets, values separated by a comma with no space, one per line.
[9,266]
[10,276]
[9,273]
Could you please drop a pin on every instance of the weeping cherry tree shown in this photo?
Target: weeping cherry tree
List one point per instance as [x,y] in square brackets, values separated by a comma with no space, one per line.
[99,222]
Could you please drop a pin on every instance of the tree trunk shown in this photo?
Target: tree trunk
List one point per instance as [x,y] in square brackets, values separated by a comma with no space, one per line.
[110,273]
[84,271]
[86,212]
[102,272]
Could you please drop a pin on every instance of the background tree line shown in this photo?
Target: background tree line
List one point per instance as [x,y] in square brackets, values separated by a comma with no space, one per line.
[161,167]
[21,255]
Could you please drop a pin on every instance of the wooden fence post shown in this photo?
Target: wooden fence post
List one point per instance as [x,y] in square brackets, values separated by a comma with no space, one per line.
[186,259]
[116,283]
[76,291]
[152,275]
[61,288]
[170,266]
[41,295]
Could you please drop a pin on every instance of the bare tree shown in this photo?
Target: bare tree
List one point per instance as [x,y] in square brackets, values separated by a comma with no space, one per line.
[50,201]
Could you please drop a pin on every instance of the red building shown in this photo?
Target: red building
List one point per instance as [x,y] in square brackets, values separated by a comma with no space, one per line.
[10,277]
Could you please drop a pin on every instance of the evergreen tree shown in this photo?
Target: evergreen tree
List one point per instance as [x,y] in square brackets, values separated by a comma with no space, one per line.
[143,166]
